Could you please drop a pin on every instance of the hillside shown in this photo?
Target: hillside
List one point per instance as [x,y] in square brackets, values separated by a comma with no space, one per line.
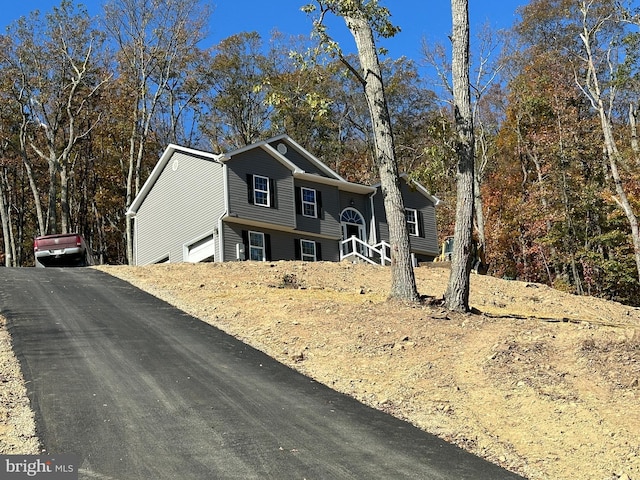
[541,382]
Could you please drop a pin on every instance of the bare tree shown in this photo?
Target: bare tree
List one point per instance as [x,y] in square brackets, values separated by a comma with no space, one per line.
[361,17]
[56,76]
[457,294]
[154,37]
[487,68]
[600,35]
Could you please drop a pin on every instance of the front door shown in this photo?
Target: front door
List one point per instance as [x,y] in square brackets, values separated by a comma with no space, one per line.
[352,226]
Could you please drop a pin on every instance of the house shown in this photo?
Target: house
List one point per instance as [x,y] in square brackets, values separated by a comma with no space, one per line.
[271,200]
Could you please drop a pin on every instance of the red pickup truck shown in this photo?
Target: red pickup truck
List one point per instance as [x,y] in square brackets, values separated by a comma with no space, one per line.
[61,250]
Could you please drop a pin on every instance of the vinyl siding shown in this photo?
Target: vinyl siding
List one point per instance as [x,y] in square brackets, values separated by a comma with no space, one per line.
[259,162]
[426,244]
[329,221]
[281,243]
[183,205]
[299,160]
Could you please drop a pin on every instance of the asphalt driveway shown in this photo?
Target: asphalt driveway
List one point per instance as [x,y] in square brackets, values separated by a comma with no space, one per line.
[137,389]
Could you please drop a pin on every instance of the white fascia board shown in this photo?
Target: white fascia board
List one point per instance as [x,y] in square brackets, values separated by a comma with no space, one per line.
[436,201]
[266,145]
[317,162]
[340,184]
[281,158]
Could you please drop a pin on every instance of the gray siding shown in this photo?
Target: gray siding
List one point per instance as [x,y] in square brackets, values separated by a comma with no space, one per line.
[425,245]
[298,159]
[282,243]
[184,204]
[329,221]
[259,162]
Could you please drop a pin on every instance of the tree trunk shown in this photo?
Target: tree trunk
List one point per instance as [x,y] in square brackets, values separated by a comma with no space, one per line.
[478,206]
[457,294]
[4,217]
[42,225]
[65,213]
[595,94]
[403,283]
[622,200]
[52,217]
[633,123]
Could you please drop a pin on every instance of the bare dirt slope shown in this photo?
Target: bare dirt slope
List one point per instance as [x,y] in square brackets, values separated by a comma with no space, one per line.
[541,382]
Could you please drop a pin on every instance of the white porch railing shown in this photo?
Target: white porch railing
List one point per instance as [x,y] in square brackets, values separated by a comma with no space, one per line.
[380,253]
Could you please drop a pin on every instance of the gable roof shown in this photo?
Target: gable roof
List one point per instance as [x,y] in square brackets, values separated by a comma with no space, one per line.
[159,168]
[331,178]
[419,187]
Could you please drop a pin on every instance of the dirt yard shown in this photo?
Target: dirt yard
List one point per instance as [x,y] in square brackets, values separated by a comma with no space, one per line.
[544,383]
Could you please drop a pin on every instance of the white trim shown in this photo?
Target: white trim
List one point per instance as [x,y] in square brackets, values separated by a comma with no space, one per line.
[267,191]
[435,200]
[313,204]
[416,219]
[362,232]
[310,258]
[340,184]
[373,224]
[135,239]
[160,259]
[159,168]
[201,252]
[263,248]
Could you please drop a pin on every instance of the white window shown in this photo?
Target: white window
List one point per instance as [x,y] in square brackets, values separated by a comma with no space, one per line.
[412,221]
[261,194]
[308,251]
[309,204]
[256,246]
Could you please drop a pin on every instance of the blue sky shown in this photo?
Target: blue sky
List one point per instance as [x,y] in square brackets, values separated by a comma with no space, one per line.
[418,19]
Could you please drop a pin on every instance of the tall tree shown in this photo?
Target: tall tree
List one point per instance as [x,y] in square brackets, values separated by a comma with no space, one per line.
[457,294]
[57,73]
[155,39]
[484,96]
[361,17]
[601,35]
[237,111]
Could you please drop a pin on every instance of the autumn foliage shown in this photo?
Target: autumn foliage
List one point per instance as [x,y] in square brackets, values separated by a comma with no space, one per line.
[71,156]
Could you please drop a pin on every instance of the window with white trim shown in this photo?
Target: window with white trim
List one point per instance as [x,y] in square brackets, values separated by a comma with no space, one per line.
[308,251]
[256,246]
[309,202]
[412,221]
[261,194]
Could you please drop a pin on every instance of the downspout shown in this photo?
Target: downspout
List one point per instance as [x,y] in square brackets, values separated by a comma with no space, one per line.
[225,183]
[131,217]
[373,232]
[221,237]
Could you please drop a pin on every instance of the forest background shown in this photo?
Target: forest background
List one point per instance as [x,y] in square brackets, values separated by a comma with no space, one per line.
[89,104]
